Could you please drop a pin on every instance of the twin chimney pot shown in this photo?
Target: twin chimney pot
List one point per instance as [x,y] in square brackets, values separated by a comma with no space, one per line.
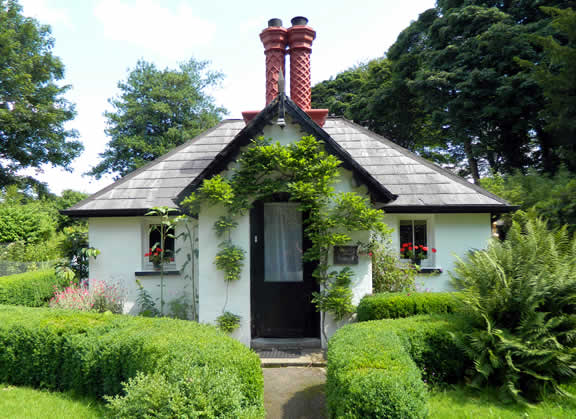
[296,41]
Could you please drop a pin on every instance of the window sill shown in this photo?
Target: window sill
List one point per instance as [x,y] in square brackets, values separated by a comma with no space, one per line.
[430,271]
[156,273]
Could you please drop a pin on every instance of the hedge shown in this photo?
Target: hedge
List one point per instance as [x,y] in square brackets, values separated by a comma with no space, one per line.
[199,370]
[31,289]
[377,369]
[396,305]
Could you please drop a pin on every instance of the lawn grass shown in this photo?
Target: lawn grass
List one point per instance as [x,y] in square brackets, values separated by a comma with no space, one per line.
[464,402]
[25,402]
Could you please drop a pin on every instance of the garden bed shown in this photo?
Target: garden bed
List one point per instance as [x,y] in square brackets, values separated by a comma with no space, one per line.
[411,368]
[170,366]
[377,368]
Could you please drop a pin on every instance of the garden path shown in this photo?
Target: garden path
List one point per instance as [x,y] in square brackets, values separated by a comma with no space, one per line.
[294,392]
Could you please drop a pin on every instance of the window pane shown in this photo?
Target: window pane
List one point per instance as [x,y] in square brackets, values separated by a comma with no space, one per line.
[420,232]
[282,243]
[405,231]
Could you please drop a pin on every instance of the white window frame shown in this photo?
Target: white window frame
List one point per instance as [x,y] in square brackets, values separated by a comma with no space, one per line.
[429,262]
[146,264]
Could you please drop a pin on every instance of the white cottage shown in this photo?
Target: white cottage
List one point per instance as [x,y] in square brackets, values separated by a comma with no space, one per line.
[424,204]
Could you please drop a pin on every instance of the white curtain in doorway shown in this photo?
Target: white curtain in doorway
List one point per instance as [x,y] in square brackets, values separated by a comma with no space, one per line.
[282,242]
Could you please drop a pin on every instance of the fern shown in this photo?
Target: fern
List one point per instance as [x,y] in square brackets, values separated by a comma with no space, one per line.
[521,299]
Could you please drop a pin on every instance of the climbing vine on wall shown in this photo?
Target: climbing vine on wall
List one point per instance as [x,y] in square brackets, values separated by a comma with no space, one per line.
[307,174]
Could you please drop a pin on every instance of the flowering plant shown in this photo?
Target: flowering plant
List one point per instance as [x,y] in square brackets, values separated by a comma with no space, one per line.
[72,297]
[409,251]
[158,256]
[94,295]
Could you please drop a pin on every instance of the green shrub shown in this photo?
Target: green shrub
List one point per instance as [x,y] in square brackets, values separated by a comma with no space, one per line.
[428,339]
[377,368]
[389,274]
[95,354]
[521,296]
[395,305]
[32,289]
[372,375]
[228,322]
[189,393]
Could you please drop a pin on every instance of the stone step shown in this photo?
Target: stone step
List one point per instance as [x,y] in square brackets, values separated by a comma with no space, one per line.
[276,358]
[286,343]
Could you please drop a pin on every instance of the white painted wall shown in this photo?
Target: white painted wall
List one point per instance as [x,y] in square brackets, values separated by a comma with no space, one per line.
[212,286]
[122,242]
[452,235]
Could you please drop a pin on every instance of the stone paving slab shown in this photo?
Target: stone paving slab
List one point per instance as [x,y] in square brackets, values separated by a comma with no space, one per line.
[295,393]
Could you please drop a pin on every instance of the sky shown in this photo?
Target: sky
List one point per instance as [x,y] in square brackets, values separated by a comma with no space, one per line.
[99,41]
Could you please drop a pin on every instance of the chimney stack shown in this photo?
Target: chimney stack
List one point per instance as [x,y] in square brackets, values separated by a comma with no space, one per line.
[274,38]
[300,38]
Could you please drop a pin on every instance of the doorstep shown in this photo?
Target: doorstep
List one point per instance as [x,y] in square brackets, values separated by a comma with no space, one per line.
[276,358]
[289,352]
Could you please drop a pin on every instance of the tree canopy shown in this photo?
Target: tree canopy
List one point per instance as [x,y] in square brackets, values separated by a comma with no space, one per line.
[156,111]
[555,74]
[455,87]
[33,110]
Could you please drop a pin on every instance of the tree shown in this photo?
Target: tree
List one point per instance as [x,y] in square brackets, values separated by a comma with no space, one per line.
[371,95]
[156,111]
[453,87]
[33,111]
[555,75]
[549,196]
[469,77]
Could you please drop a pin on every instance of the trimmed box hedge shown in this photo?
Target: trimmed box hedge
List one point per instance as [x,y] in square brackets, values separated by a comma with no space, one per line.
[397,305]
[377,369]
[198,368]
[31,289]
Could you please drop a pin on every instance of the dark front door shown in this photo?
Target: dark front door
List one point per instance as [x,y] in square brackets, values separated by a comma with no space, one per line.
[282,284]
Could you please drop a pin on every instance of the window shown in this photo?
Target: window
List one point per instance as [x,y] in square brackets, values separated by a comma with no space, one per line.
[414,241]
[283,242]
[154,253]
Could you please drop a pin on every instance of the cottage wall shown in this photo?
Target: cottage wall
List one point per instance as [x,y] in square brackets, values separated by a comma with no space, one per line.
[453,235]
[122,243]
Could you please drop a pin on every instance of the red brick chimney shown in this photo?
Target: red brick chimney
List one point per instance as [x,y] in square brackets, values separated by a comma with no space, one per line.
[299,38]
[274,38]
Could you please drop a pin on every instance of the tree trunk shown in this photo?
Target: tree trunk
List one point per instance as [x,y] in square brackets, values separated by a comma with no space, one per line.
[472,162]
[549,160]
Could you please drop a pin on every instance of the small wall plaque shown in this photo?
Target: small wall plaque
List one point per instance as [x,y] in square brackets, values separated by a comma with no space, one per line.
[346,255]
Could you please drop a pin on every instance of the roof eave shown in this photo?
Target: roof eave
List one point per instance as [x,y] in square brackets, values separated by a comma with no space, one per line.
[448,209]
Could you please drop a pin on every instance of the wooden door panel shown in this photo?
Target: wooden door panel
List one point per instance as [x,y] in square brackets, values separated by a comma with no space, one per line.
[279,309]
